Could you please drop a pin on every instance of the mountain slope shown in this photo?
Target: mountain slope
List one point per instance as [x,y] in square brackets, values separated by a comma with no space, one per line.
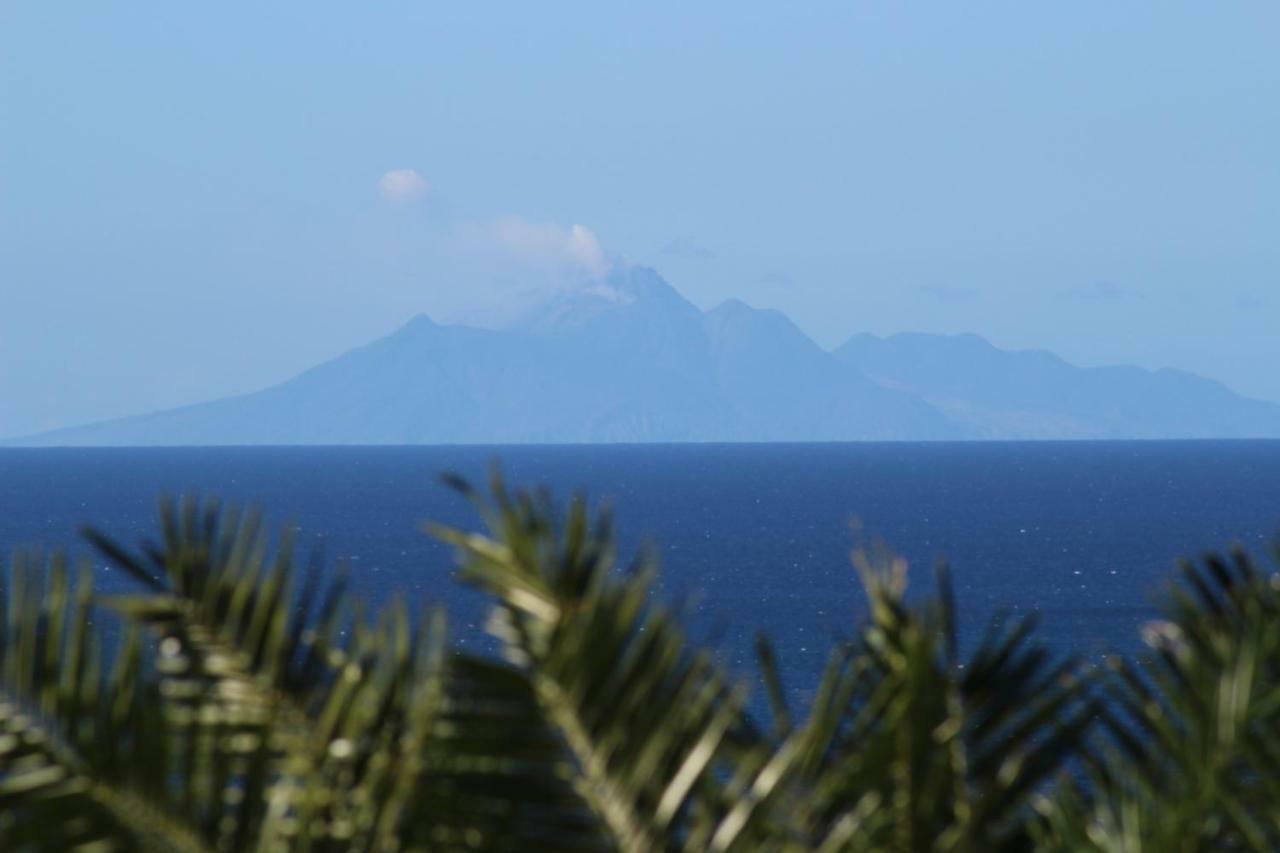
[784,387]
[1034,394]
[626,359]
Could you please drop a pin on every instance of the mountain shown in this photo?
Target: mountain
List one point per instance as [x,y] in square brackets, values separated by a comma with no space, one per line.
[1034,394]
[781,386]
[628,359]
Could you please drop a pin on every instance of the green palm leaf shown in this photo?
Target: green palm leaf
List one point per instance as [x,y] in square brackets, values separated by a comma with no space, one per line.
[238,702]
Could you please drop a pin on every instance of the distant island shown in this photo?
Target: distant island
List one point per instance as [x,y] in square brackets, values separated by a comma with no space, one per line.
[628,359]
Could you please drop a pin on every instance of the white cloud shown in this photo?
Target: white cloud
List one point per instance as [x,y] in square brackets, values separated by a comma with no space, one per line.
[551,247]
[513,266]
[403,185]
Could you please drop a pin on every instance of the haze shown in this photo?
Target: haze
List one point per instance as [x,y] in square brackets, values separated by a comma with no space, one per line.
[198,201]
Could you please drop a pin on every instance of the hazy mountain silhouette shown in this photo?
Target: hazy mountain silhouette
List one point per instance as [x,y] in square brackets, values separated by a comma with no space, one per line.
[627,359]
[1034,394]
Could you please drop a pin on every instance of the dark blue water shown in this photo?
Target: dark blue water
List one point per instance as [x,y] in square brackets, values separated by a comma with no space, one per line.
[752,537]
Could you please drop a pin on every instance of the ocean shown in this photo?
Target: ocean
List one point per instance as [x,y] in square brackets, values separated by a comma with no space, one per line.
[752,538]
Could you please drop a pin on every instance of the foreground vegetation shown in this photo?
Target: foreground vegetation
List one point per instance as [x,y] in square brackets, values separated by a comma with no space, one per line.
[236,702]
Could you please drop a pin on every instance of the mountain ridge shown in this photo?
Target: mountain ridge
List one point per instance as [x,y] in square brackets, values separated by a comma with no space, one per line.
[1036,394]
[626,358]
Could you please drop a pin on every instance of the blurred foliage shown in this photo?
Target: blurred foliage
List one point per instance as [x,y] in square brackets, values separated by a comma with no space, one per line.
[237,702]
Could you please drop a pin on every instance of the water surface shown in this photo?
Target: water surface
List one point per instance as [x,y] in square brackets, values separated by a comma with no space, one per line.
[752,537]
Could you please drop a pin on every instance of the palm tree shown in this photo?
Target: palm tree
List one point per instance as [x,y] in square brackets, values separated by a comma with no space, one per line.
[237,702]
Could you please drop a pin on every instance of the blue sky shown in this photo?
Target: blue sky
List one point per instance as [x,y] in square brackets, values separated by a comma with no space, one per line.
[195,199]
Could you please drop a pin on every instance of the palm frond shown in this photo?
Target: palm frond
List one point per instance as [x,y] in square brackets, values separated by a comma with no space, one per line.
[84,749]
[1191,754]
[238,702]
[337,733]
[955,753]
[643,716]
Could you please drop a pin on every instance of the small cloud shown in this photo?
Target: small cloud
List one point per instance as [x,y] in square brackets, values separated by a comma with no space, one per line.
[1250,302]
[1100,289]
[950,295]
[546,246]
[774,278]
[689,248]
[403,185]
